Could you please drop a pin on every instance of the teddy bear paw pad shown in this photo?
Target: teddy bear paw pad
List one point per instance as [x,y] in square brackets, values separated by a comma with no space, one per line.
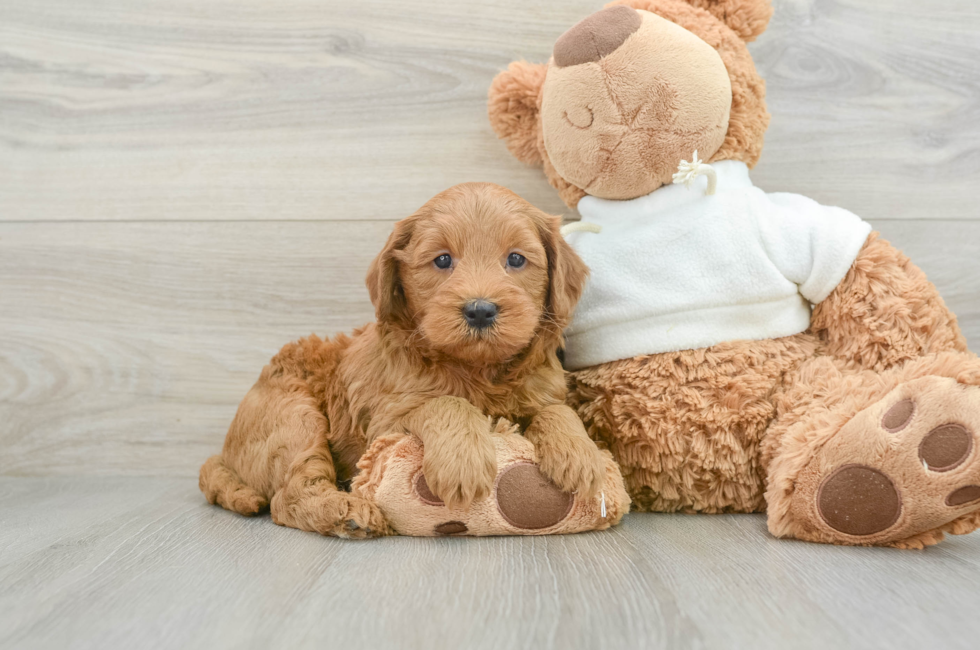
[425,493]
[859,500]
[527,499]
[451,528]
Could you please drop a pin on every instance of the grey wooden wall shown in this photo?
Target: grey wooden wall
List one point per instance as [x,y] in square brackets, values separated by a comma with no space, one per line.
[185,186]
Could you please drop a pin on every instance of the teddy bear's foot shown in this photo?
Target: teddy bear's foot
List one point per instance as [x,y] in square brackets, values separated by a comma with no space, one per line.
[900,473]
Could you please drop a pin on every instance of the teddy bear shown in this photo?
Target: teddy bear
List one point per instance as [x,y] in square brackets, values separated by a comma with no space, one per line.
[738,351]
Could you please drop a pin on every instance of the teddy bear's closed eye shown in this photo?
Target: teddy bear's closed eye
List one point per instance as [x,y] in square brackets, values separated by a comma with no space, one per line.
[580,117]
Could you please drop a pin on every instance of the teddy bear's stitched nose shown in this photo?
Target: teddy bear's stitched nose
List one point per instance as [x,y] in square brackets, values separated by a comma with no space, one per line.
[596,36]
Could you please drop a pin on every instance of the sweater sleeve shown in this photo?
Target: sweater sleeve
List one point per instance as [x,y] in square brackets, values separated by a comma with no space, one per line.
[812,245]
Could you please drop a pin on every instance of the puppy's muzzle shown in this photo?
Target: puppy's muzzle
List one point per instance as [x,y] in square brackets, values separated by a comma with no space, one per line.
[480,314]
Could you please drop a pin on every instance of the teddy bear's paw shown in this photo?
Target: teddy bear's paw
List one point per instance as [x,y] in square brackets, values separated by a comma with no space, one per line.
[573,463]
[521,499]
[524,498]
[900,472]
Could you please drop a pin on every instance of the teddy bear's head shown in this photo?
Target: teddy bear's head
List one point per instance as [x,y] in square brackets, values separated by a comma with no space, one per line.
[633,90]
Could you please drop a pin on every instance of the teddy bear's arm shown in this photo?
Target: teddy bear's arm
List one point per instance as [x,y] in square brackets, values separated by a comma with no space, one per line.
[885,312]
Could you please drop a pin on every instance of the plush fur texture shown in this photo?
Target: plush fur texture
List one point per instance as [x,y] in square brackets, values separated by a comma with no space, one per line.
[830,431]
[908,315]
[420,369]
[686,427]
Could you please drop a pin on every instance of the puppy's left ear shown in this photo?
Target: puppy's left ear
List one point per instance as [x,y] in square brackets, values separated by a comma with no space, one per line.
[566,270]
[383,281]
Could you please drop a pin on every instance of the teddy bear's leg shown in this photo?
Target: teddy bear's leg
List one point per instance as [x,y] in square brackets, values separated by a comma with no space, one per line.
[885,312]
[866,458]
[685,427]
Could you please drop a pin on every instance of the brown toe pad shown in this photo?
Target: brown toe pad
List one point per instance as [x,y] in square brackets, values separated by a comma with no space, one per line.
[526,499]
[964,495]
[451,528]
[425,493]
[858,500]
[898,416]
[946,447]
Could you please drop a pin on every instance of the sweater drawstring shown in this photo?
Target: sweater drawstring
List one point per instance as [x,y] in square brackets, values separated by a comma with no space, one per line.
[687,172]
[579,226]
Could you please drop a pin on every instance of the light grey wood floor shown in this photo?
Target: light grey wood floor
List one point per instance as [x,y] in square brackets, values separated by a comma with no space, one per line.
[185,186]
[142,562]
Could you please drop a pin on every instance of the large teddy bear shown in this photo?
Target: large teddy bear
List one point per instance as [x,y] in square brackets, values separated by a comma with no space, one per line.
[738,351]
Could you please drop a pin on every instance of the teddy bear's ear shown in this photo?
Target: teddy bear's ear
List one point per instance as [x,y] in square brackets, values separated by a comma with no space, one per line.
[747,18]
[514,105]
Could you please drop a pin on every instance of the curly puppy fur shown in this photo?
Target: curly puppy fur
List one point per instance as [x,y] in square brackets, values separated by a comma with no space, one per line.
[420,369]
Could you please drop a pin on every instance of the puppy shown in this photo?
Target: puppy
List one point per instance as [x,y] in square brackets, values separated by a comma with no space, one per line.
[471,295]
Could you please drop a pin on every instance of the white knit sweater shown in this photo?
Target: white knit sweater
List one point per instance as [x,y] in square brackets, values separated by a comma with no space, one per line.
[679,270]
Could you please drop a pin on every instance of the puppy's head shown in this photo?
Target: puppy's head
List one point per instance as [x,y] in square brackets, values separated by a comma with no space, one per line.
[477,274]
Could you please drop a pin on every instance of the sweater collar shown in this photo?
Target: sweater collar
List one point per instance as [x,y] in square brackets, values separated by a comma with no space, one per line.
[732,174]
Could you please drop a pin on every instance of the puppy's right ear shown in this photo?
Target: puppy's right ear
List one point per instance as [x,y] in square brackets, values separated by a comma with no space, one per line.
[514,107]
[383,281]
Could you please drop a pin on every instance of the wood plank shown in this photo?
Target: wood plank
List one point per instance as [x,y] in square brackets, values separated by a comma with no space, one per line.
[875,105]
[252,110]
[343,110]
[125,348]
[147,563]
[131,344]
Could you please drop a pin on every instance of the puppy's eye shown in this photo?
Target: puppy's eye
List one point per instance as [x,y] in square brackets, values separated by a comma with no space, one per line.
[444,261]
[516,260]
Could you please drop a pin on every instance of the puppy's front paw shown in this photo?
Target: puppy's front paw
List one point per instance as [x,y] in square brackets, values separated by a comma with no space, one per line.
[460,474]
[573,463]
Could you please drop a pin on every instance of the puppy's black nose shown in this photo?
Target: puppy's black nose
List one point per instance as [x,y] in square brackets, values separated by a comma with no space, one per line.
[480,313]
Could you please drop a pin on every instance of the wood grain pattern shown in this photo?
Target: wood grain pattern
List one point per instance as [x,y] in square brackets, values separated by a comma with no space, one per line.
[247,109]
[147,563]
[127,347]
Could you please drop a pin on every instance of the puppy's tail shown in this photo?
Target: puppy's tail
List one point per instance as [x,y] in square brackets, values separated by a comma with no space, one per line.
[221,485]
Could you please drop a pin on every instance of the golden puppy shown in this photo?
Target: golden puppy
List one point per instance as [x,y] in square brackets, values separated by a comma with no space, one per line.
[471,294]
